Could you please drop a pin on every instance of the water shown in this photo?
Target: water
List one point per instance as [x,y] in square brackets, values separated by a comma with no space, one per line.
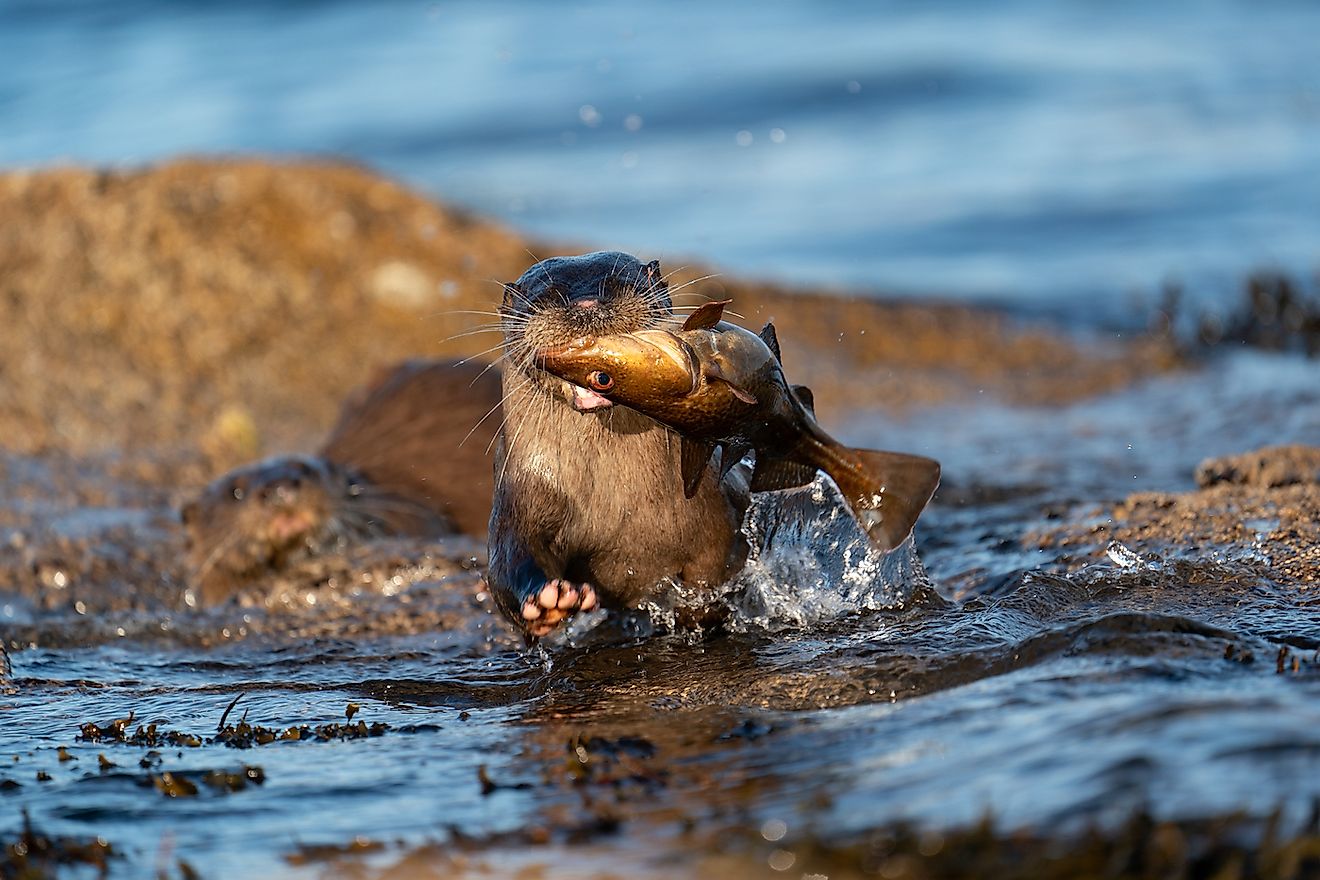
[851,691]
[1056,155]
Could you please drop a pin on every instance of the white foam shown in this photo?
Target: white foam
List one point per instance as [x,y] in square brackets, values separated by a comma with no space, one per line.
[810,562]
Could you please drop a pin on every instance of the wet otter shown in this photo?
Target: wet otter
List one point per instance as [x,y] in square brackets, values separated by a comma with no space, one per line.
[589,505]
[398,462]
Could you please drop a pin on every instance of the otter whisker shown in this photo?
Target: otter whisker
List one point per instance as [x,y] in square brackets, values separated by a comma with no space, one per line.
[473,332]
[490,366]
[447,312]
[479,354]
[491,412]
[674,291]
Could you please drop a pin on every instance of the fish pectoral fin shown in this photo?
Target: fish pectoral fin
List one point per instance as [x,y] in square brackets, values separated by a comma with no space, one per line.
[742,394]
[695,455]
[730,455]
[714,372]
[771,340]
[772,474]
[807,397]
[706,315]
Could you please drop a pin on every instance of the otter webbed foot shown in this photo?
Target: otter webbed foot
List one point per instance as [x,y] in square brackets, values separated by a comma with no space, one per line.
[554,603]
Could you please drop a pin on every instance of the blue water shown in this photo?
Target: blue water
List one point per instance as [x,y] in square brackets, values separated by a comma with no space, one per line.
[1055,155]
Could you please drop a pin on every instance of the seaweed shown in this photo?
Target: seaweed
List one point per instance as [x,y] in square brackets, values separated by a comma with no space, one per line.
[34,855]
[241,735]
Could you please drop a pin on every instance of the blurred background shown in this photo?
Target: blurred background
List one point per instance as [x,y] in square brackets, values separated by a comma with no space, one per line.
[1064,157]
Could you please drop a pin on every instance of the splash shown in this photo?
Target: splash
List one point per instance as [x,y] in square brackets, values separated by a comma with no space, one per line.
[811,562]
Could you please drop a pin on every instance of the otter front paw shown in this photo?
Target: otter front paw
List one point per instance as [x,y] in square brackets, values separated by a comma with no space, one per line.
[554,603]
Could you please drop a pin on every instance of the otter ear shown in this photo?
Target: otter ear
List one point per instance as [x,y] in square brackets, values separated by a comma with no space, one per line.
[512,292]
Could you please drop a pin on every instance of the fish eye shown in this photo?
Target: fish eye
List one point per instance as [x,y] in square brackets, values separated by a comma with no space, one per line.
[599,380]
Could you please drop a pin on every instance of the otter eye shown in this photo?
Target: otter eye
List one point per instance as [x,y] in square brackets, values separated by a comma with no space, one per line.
[600,380]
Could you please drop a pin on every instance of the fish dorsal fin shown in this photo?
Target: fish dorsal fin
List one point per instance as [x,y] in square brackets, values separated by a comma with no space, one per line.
[695,455]
[808,398]
[713,371]
[706,315]
[771,340]
[780,473]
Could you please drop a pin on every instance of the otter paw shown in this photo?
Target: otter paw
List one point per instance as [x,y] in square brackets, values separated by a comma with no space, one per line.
[554,603]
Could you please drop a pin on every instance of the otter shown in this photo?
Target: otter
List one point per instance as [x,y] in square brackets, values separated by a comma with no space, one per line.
[589,505]
[409,456]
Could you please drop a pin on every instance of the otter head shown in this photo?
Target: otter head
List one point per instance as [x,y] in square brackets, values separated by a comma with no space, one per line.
[260,518]
[561,299]
[267,509]
[257,518]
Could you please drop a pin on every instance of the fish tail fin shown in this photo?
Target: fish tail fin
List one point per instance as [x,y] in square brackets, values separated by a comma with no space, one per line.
[886,490]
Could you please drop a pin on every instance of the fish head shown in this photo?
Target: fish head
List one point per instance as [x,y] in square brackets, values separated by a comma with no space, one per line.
[642,370]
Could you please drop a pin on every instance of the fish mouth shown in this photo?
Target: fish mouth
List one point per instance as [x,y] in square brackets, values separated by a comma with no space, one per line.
[586,400]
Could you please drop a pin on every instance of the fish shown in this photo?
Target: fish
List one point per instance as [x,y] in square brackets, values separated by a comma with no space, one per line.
[722,388]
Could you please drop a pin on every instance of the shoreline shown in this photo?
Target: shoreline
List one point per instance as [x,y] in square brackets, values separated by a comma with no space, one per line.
[183,288]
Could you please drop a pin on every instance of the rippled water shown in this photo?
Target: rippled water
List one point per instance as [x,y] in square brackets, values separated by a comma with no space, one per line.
[1056,154]
[848,691]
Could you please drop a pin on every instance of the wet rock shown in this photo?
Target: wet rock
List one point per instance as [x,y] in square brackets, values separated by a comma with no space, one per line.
[1267,468]
[1260,508]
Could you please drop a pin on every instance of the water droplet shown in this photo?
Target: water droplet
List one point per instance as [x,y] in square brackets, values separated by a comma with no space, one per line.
[853,87]
[589,115]
[743,138]
[778,135]
[632,122]
[774,829]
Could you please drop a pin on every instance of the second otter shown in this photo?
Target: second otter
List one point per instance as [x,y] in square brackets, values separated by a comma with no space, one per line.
[407,457]
[589,505]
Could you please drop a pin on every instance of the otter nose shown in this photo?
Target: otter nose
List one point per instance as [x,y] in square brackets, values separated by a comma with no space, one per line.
[588,303]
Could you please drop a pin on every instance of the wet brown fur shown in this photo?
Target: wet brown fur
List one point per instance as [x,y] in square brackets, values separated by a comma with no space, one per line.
[597,497]
[399,461]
